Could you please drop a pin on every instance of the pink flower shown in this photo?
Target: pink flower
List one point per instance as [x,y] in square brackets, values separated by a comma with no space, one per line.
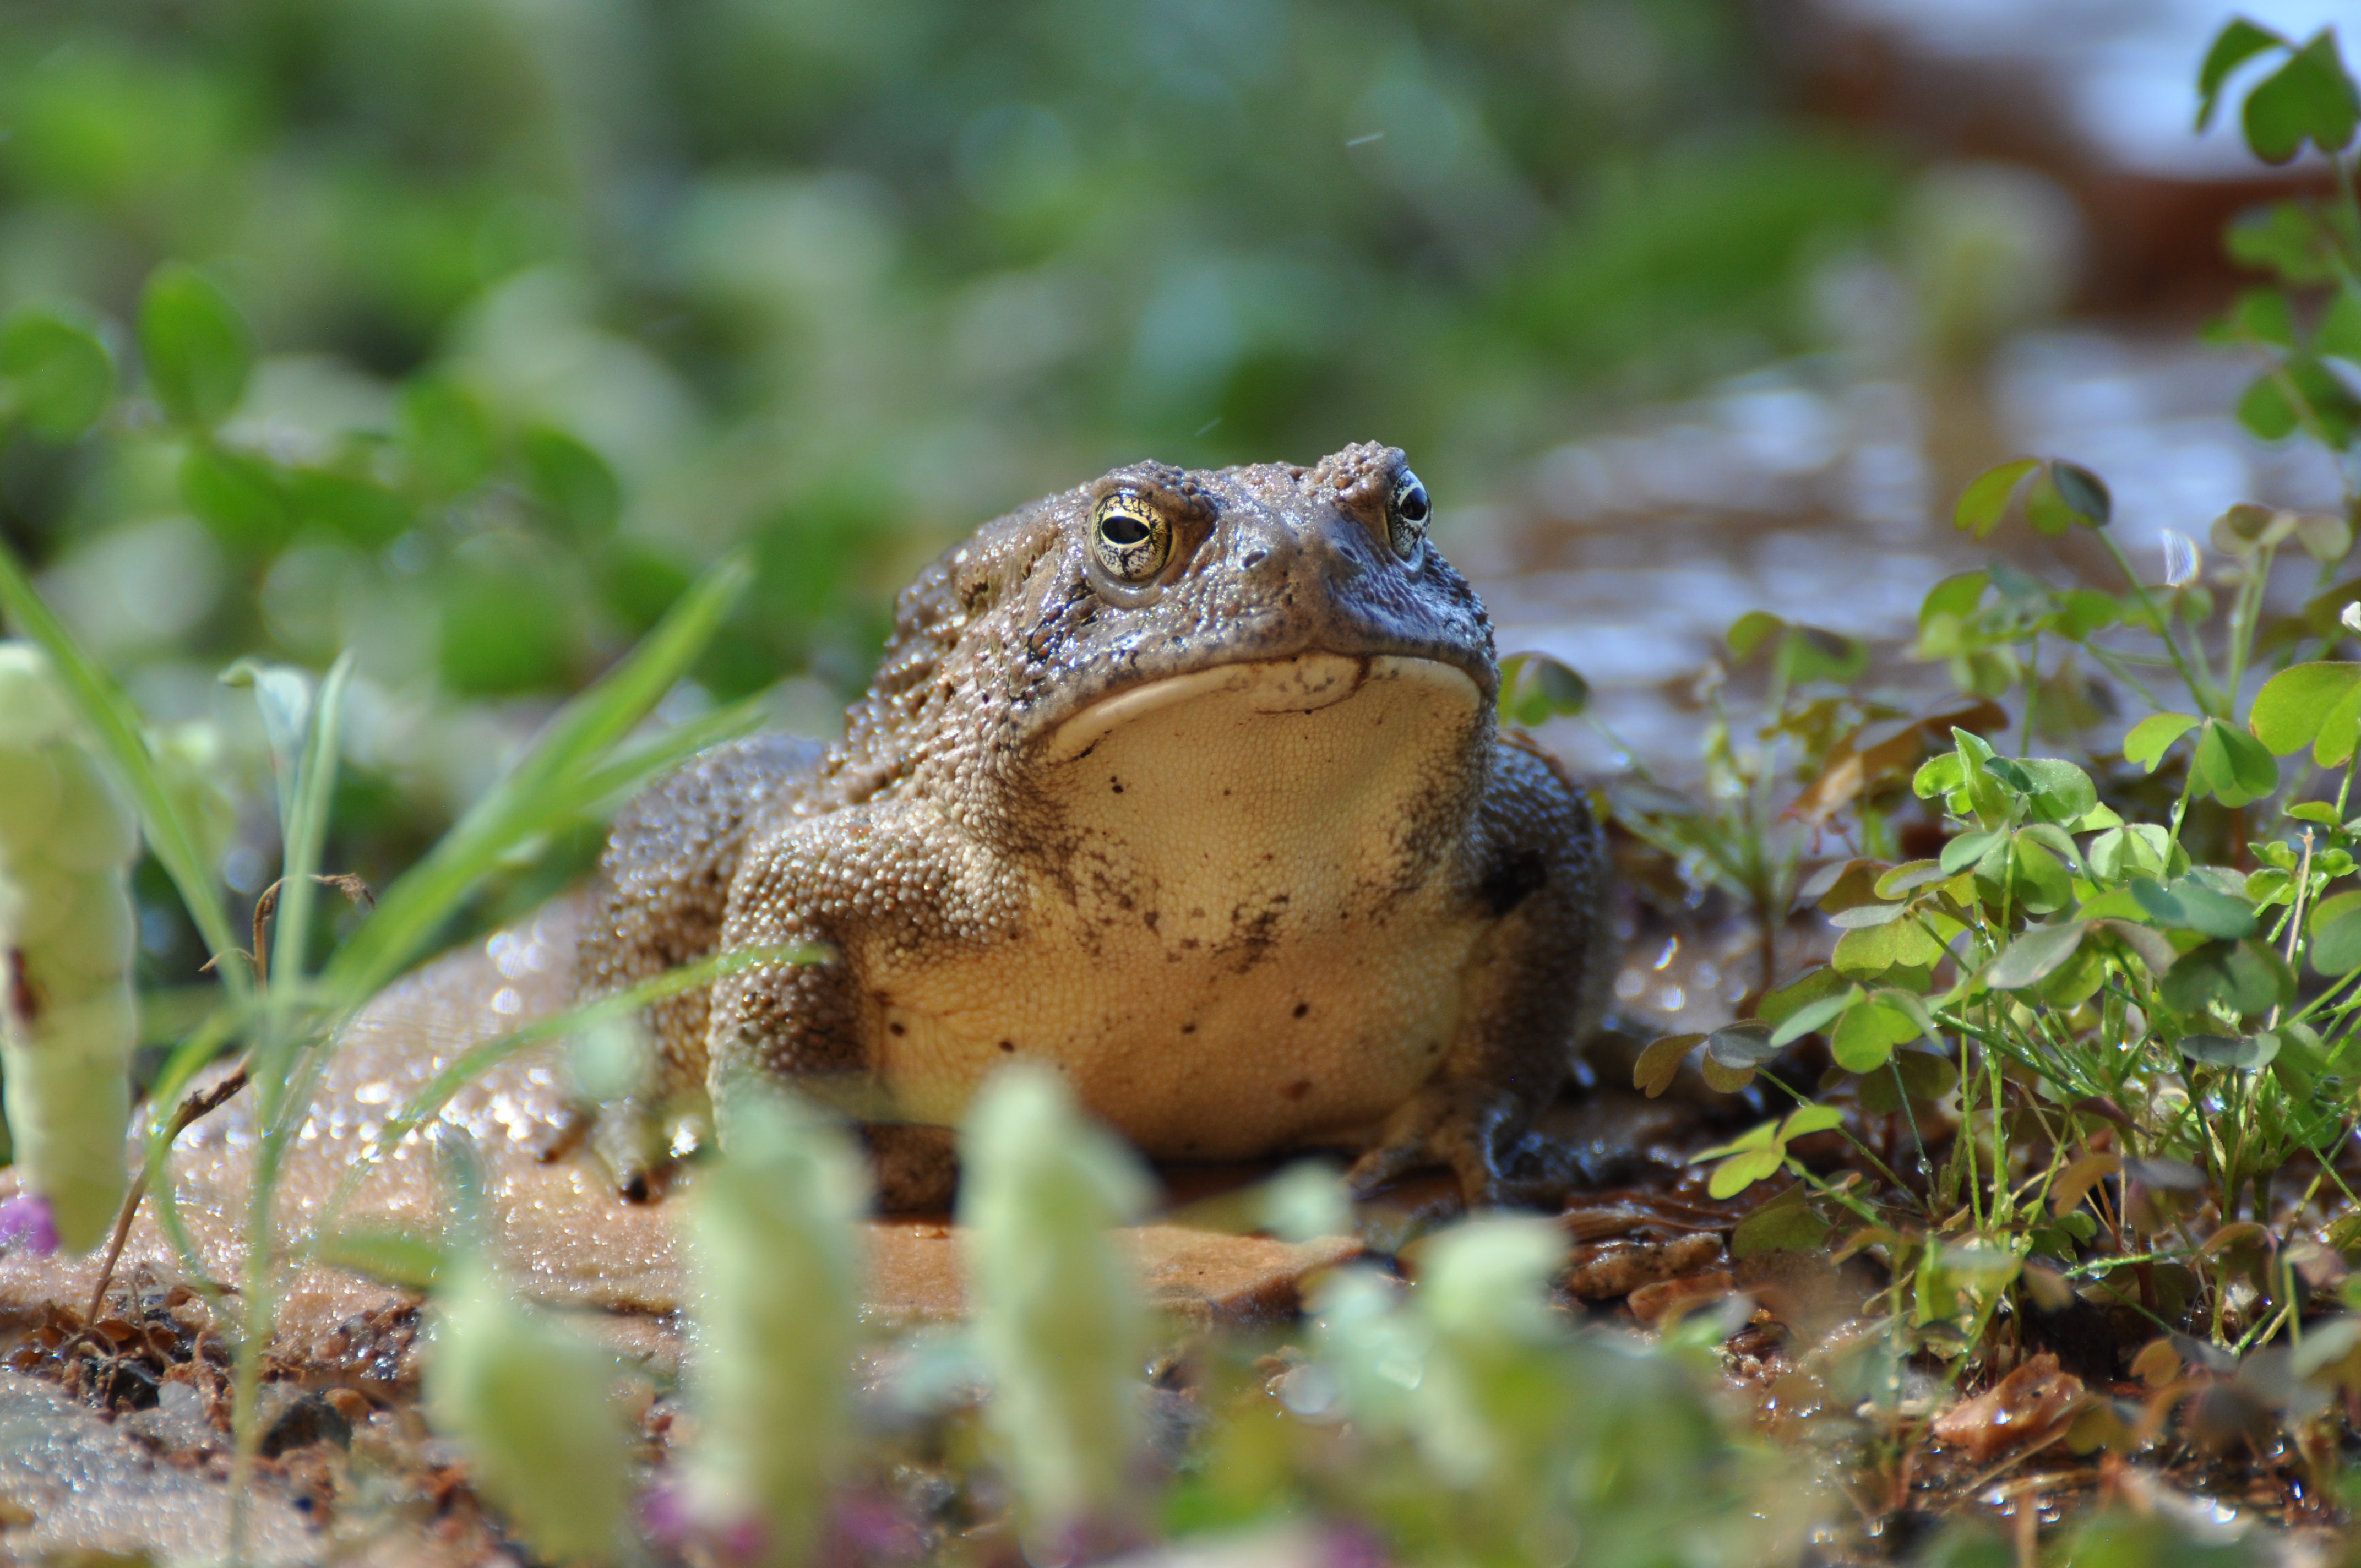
[28,1218]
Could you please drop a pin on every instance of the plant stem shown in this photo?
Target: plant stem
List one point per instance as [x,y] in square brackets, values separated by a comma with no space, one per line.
[2163,626]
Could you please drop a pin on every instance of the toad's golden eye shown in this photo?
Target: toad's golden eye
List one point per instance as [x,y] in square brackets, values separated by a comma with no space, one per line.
[1406,513]
[1131,539]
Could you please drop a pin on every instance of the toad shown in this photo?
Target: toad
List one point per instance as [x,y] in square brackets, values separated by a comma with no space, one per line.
[1188,783]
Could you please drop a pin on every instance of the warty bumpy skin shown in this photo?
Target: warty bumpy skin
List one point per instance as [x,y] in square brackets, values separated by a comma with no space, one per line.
[1188,783]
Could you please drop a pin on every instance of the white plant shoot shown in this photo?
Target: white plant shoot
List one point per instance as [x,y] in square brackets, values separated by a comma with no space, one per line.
[775,1266]
[1056,1305]
[532,1404]
[67,929]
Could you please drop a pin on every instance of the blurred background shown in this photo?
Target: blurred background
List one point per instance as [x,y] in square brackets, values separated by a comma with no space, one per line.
[1681,307]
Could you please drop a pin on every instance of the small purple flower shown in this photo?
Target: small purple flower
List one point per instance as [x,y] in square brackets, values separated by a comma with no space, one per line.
[664,1516]
[874,1527]
[1353,1546]
[670,1521]
[746,1539]
[28,1218]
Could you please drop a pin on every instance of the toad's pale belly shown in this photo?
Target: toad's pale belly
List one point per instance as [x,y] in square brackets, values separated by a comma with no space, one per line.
[1259,935]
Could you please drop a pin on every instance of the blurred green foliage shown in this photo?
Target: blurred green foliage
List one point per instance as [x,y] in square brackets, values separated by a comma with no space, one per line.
[460,333]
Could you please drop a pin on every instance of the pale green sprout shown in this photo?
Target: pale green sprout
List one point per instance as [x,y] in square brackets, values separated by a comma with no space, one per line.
[775,1263]
[1371,1346]
[532,1404]
[67,1018]
[1485,1407]
[1307,1200]
[1058,1316]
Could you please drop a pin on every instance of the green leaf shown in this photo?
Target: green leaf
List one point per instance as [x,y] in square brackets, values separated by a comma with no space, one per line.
[1965,851]
[1816,653]
[1926,1075]
[1766,1135]
[196,348]
[2285,237]
[1536,688]
[363,511]
[2336,925]
[2081,611]
[2293,705]
[1808,1119]
[2188,904]
[1810,986]
[2152,736]
[61,377]
[1812,1015]
[2307,98]
[1984,500]
[2043,885]
[2264,315]
[2045,509]
[1741,1046]
[2134,850]
[241,498]
[1741,1171]
[2060,792]
[2231,765]
[1864,1038]
[2084,492]
[572,482]
[2265,410]
[2247,1053]
[2234,45]
[2247,977]
[1786,1224]
[1870,951]
[2034,953]
[2340,326]
[1751,630]
[445,436]
[1958,594]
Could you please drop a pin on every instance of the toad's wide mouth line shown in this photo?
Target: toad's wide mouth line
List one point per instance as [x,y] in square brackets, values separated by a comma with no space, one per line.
[1304,683]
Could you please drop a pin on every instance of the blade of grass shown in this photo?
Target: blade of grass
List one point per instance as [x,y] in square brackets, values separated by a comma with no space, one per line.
[115,723]
[627,770]
[411,910]
[303,834]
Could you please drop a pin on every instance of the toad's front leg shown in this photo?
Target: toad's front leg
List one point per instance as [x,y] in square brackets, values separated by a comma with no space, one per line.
[868,882]
[1533,990]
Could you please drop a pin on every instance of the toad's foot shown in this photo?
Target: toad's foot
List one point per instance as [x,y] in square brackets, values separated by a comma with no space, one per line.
[1482,1134]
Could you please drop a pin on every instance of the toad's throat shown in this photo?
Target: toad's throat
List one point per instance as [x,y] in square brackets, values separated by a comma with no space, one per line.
[1305,684]
[1240,931]
[1245,803]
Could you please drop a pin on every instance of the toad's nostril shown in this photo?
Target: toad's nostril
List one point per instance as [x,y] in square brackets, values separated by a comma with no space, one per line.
[1254,558]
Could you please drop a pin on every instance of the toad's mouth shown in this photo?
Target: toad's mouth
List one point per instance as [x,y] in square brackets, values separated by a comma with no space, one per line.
[1303,684]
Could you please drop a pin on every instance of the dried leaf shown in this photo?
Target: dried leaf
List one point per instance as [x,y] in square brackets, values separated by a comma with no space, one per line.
[1661,1062]
[2029,1407]
[2158,1363]
[2074,1182]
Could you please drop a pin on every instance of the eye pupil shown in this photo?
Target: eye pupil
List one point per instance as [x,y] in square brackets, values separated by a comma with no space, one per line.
[1130,540]
[1413,504]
